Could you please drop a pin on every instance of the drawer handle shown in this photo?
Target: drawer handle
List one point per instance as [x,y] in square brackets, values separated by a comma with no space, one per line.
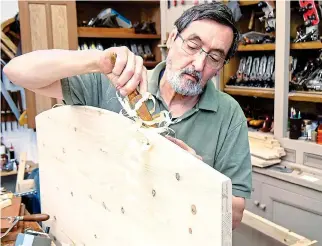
[256,202]
[263,206]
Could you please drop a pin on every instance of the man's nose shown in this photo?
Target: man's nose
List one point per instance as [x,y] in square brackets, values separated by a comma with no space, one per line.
[200,61]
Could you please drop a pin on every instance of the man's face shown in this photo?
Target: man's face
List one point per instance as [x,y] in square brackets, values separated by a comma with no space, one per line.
[187,69]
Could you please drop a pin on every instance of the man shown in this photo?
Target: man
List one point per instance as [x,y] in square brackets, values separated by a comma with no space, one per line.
[208,123]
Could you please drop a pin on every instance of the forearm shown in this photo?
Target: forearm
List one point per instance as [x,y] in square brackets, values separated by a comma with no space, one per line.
[41,68]
[238,206]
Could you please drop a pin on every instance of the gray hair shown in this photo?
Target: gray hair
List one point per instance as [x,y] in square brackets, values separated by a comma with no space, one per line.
[215,11]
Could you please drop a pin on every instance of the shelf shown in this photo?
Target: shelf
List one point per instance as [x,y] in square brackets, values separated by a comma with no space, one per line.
[306,45]
[306,96]
[101,32]
[250,91]
[255,47]
[248,2]
[293,46]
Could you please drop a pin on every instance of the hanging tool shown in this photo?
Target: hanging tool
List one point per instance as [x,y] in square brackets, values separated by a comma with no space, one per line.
[15,219]
[143,112]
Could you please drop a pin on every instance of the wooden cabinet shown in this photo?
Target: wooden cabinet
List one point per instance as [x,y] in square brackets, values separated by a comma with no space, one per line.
[59,24]
[46,25]
[296,212]
[294,207]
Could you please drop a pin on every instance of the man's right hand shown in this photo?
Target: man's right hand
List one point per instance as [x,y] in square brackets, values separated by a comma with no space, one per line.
[128,73]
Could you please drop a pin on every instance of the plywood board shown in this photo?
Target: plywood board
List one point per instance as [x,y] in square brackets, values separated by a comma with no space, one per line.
[104,181]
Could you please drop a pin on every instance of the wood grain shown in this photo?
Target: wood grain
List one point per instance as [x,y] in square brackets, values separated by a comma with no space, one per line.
[101,32]
[131,186]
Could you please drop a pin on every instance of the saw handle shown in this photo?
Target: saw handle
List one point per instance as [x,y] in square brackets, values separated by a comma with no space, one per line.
[35,217]
[134,97]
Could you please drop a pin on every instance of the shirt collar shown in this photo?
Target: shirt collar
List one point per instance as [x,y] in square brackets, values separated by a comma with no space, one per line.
[208,99]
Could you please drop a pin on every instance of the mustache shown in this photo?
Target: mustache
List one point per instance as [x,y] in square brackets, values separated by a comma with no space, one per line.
[192,72]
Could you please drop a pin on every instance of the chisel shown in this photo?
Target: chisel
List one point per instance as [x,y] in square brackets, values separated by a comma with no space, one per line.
[15,219]
[143,112]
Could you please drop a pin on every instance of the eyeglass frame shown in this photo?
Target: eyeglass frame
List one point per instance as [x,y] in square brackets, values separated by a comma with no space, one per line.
[225,61]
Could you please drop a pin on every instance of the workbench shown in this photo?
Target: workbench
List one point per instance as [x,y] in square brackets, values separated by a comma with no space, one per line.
[8,179]
[27,225]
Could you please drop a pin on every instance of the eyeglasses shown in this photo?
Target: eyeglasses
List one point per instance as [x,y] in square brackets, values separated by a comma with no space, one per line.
[191,48]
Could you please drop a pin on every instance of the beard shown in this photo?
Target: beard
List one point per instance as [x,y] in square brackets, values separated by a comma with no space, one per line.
[182,85]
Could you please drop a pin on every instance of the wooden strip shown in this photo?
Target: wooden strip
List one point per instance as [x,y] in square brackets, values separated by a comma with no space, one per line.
[256,47]
[250,92]
[7,51]
[273,230]
[21,170]
[8,43]
[306,45]
[26,47]
[258,162]
[126,181]
[101,32]
[306,97]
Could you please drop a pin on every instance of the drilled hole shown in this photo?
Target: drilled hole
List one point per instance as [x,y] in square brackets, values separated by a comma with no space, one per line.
[178,176]
[193,209]
[95,235]
[72,193]
[122,210]
[190,230]
[153,193]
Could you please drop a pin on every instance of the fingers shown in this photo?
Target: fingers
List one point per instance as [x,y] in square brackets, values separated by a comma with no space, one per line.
[121,59]
[144,82]
[136,78]
[184,146]
[128,71]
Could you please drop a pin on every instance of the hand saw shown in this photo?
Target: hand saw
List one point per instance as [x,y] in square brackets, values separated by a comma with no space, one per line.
[143,112]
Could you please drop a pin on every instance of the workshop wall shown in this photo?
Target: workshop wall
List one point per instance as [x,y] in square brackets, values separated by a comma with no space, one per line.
[8,9]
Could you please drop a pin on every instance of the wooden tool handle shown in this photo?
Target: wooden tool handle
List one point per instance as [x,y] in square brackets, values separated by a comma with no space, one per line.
[36,217]
[134,97]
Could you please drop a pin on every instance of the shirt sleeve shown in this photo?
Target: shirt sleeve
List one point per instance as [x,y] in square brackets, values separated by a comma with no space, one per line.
[85,89]
[234,160]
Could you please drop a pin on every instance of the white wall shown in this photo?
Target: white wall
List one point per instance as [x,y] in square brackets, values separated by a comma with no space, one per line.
[9,8]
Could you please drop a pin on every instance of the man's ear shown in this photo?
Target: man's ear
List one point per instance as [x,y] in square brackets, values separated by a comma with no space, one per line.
[172,37]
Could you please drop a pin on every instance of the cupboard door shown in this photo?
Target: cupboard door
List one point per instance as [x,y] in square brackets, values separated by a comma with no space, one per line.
[46,25]
[253,204]
[298,213]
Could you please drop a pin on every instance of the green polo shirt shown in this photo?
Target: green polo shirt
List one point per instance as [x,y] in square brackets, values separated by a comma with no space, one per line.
[215,128]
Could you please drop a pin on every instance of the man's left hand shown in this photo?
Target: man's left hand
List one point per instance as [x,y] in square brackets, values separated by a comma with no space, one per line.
[183,145]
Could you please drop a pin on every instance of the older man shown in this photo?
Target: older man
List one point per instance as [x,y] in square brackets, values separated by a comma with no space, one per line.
[207,122]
